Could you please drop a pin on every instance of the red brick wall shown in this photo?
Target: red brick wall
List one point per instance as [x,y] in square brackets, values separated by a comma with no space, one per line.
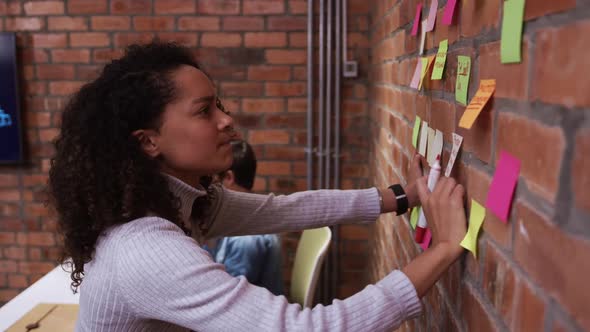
[255,51]
[530,274]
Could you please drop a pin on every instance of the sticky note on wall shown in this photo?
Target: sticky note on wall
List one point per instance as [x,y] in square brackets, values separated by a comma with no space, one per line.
[416,20]
[416,131]
[503,185]
[462,84]
[417,73]
[414,217]
[423,139]
[431,135]
[485,91]
[457,140]
[441,59]
[510,45]
[448,14]
[423,35]
[432,15]
[476,216]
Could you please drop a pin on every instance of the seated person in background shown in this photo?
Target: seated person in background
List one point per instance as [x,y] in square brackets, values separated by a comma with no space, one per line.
[257,257]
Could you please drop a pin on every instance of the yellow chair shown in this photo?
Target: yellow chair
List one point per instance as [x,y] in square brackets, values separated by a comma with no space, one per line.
[309,257]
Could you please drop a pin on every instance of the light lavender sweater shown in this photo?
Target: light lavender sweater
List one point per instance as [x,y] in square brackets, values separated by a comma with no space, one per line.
[147,275]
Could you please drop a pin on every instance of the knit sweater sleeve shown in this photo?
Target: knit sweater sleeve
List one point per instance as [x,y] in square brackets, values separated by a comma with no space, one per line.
[164,275]
[236,213]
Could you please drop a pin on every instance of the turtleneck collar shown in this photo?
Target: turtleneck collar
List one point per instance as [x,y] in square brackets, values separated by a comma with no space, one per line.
[187,195]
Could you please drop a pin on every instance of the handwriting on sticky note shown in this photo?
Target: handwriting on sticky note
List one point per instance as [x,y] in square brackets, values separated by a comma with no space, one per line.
[503,184]
[485,91]
[448,14]
[423,36]
[462,84]
[416,20]
[426,64]
[457,140]
[437,146]
[510,44]
[423,139]
[416,78]
[431,135]
[416,131]
[426,240]
[476,217]
[414,217]
[441,58]
[432,15]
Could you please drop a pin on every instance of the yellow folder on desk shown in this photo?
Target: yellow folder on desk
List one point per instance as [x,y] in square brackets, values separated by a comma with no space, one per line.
[62,318]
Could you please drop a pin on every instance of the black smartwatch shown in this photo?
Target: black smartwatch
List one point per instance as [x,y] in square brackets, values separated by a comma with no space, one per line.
[401,198]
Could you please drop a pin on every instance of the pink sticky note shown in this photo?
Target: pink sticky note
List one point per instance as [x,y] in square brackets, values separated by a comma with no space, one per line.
[416,20]
[449,11]
[426,240]
[432,15]
[503,184]
[417,74]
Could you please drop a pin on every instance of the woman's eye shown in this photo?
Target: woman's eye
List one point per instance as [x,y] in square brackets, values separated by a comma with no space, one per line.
[204,111]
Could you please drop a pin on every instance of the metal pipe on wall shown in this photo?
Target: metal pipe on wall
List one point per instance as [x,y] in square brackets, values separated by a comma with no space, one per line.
[336,153]
[327,148]
[309,150]
[320,151]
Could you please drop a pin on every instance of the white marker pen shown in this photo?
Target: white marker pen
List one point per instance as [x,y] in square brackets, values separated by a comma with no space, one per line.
[432,179]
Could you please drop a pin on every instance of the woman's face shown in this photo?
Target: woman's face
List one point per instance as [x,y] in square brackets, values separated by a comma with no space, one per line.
[194,137]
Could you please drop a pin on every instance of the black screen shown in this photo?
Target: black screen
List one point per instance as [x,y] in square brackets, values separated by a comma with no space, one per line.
[11,148]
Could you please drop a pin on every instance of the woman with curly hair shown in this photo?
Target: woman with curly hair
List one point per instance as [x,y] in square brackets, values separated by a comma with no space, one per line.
[130,184]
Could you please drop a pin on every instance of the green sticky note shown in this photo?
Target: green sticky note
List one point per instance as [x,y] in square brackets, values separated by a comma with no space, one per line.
[414,216]
[476,217]
[510,46]
[441,58]
[462,84]
[416,130]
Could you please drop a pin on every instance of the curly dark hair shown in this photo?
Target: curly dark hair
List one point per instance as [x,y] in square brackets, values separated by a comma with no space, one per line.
[100,176]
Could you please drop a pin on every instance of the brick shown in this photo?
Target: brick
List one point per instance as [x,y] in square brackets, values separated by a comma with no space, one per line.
[478,139]
[225,7]
[243,23]
[268,137]
[149,23]
[442,117]
[242,89]
[297,39]
[284,152]
[8,266]
[7,294]
[55,72]
[106,55]
[540,163]
[442,32]
[36,238]
[539,8]
[189,39]
[478,18]
[297,105]
[44,8]
[297,7]
[48,135]
[107,23]
[264,7]
[500,283]
[199,23]
[122,39]
[359,7]
[131,6]
[175,6]
[221,39]
[580,178]
[87,7]
[263,105]
[14,252]
[287,23]
[8,180]
[291,89]
[273,168]
[10,8]
[35,88]
[36,56]
[17,281]
[269,73]
[36,179]
[64,88]
[24,24]
[67,23]
[35,267]
[285,120]
[529,310]
[561,45]
[286,56]
[569,264]
[70,56]
[473,312]
[89,39]
[49,40]
[265,39]
[511,79]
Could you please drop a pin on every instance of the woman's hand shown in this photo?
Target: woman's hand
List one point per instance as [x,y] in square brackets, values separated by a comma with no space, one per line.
[414,175]
[445,213]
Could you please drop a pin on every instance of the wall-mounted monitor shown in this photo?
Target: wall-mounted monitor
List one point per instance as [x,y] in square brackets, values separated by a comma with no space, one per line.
[11,142]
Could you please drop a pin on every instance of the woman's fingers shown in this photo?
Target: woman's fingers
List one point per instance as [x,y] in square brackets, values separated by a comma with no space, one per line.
[423,191]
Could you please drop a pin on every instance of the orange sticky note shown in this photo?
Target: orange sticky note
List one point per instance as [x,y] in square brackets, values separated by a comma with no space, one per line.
[485,91]
[425,69]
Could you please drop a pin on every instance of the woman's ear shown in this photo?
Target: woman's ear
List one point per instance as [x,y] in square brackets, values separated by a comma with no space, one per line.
[229,179]
[147,141]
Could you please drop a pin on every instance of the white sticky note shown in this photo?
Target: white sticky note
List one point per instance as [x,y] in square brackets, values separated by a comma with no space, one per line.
[437,145]
[431,151]
[423,139]
[457,140]
[423,35]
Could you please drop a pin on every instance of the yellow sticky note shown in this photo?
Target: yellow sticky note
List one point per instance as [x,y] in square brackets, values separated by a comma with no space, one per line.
[485,91]
[476,217]
[414,216]
[426,63]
